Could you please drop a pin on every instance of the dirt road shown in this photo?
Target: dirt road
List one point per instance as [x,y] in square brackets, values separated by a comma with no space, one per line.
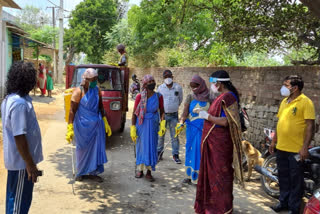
[56,192]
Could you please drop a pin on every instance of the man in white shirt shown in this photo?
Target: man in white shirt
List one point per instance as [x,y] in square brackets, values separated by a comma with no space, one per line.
[172,97]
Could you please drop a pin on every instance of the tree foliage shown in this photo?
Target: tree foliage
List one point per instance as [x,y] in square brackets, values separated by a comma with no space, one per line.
[89,23]
[217,30]
[31,18]
[255,25]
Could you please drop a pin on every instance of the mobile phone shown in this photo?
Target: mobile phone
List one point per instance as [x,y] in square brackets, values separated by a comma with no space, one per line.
[40,173]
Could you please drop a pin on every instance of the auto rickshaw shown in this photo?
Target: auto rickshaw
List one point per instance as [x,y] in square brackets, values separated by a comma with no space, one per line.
[113,82]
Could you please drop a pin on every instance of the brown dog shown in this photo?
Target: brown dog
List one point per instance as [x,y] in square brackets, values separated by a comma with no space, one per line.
[253,157]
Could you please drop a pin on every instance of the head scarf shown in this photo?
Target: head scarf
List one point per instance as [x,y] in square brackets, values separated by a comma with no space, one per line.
[90,73]
[202,93]
[142,107]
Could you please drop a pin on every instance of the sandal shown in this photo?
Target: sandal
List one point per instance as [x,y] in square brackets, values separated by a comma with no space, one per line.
[79,178]
[139,174]
[150,178]
[95,178]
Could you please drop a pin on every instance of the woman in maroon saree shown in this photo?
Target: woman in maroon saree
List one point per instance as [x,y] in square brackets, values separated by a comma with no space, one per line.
[220,149]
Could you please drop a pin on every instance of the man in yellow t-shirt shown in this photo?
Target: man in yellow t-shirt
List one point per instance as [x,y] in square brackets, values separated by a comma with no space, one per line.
[295,130]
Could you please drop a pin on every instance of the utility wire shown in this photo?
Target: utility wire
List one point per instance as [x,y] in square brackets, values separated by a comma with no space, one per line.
[58,6]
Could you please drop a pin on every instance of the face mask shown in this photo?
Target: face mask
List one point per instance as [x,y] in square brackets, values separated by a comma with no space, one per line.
[168,81]
[285,92]
[151,86]
[93,84]
[214,88]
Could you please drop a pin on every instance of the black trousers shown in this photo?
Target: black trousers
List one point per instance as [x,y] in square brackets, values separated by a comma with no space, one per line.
[291,180]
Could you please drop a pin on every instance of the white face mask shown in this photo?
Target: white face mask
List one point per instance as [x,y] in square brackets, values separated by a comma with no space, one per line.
[285,92]
[168,81]
[214,88]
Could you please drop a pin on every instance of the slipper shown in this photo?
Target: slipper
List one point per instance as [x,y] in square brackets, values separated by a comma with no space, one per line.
[139,174]
[150,178]
[186,181]
[95,178]
[79,178]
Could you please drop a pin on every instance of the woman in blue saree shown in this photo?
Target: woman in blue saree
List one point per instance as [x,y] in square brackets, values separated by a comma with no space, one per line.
[200,98]
[88,125]
[145,127]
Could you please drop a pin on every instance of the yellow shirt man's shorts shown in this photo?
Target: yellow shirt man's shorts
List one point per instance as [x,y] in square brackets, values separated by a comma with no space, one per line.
[291,125]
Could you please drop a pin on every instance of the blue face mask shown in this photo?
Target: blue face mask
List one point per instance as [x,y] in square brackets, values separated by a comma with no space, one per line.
[93,84]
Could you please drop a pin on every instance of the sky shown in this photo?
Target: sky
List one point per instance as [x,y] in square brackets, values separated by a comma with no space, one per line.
[43,4]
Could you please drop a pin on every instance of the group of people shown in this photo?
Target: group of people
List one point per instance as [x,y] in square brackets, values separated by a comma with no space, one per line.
[45,81]
[213,147]
[213,135]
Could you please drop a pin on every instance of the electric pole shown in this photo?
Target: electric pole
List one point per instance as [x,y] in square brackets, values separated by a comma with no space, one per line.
[54,44]
[61,64]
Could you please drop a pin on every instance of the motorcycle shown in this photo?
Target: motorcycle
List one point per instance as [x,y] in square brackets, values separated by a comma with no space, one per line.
[269,171]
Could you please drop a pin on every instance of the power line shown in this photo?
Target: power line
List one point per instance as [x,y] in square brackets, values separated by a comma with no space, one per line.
[58,6]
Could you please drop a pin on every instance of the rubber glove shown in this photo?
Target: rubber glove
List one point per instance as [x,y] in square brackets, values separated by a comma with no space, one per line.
[133,133]
[204,114]
[162,129]
[179,128]
[70,132]
[107,126]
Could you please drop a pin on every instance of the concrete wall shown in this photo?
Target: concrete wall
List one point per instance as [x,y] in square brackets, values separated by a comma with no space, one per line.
[259,88]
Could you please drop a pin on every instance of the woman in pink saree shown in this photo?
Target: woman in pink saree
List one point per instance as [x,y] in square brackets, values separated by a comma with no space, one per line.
[42,79]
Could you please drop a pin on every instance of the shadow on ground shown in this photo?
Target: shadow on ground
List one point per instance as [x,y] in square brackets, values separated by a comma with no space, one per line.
[122,193]
[42,99]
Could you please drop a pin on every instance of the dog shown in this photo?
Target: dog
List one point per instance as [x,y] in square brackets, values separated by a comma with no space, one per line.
[253,157]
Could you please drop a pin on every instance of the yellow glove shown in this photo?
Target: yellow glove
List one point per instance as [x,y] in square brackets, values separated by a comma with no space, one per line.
[133,133]
[70,132]
[107,126]
[179,128]
[162,129]
[113,64]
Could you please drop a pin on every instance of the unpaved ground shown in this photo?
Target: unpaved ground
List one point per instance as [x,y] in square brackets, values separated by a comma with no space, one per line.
[56,191]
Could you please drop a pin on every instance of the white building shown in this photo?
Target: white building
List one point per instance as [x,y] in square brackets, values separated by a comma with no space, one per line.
[3,51]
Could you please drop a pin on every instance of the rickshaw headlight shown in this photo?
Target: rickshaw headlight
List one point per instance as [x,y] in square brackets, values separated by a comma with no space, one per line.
[115,105]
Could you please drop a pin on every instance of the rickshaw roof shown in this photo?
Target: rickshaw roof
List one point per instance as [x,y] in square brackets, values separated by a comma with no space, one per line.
[96,66]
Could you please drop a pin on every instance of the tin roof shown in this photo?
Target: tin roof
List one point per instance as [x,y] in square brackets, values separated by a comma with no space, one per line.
[9,3]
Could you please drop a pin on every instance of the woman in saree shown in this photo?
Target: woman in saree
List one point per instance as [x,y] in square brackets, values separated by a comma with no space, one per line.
[49,82]
[199,98]
[220,149]
[42,79]
[88,125]
[145,127]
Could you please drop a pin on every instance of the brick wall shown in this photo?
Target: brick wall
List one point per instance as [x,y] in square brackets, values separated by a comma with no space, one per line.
[259,88]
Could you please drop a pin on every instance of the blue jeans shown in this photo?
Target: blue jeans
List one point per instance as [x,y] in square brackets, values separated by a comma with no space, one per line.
[171,122]
[291,180]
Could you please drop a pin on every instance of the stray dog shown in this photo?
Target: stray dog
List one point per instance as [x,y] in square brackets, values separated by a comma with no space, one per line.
[253,157]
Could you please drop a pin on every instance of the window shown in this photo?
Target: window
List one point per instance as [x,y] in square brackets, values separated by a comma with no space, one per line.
[108,79]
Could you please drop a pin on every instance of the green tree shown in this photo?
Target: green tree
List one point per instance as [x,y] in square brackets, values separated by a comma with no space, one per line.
[45,34]
[87,27]
[260,26]
[156,25]
[31,18]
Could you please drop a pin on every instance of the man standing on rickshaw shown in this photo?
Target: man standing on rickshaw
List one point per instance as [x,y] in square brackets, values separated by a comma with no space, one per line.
[88,125]
[123,61]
